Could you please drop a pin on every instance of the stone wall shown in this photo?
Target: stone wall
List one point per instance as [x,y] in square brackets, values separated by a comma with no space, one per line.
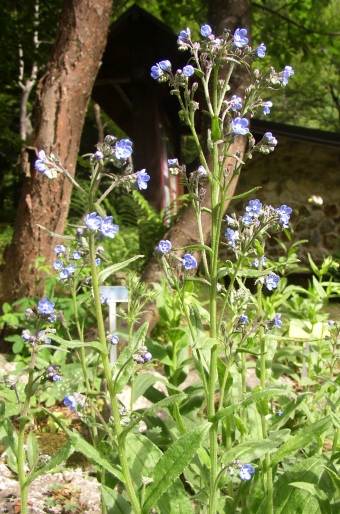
[296,171]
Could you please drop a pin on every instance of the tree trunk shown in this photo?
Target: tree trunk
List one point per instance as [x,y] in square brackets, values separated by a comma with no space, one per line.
[230,14]
[62,99]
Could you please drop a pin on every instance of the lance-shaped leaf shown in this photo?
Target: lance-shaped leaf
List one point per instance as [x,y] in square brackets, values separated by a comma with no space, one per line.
[78,344]
[250,451]
[110,270]
[253,398]
[114,502]
[172,463]
[304,437]
[56,460]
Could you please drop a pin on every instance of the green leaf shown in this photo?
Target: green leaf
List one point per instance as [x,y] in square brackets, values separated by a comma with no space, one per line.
[124,367]
[78,344]
[175,500]
[172,463]
[304,436]
[114,502]
[142,382]
[197,247]
[58,236]
[9,440]
[142,456]
[56,460]
[253,398]
[243,195]
[82,446]
[110,270]
[93,455]
[196,323]
[215,129]
[250,451]
[32,449]
[204,343]
[99,209]
[311,488]
[166,402]
[290,500]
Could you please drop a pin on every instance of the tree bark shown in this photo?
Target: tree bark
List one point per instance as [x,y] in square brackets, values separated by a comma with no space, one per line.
[62,99]
[222,14]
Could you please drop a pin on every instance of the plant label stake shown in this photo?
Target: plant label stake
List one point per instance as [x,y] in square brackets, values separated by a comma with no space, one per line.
[114,295]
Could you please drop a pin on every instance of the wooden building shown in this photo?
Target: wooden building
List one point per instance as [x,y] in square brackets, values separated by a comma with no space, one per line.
[139,105]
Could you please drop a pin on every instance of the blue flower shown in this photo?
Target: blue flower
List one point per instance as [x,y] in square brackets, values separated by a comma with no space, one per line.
[279,412]
[254,207]
[165,65]
[71,268]
[164,246]
[114,338]
[331,323]
[64,274]
[107,229]
[255,262]
[189,261]
[52,318]
[40,164]
[184,35]
[261,50]
[243,320]
[246,472]
[45,306]
[240,38]
[272,281]
[93,221]
[123,149]
[43,337]
[147,356]
[269,138]
[287,72]
[247,218]
[206,30]
[26,335]
[267,106]
[284,213]
[173,162]
[232,236]
[76,255]
[240,126]
[156,72]
[99,155]
[70,401]
[276,321]
[57,265]
[236,103]
[59,249]
[142,179]
[188,70]
[98,261]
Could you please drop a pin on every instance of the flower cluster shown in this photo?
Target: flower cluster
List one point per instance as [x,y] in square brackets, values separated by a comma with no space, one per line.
[74,400]
[142,356]
[96,223]
[39,338]
[53,373]
[48,166]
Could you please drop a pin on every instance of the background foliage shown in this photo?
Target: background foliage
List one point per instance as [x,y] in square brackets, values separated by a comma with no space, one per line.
[308,31]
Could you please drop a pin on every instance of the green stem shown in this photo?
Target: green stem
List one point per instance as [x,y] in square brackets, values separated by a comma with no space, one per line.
[268,468]
[21,459]
[108,375]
